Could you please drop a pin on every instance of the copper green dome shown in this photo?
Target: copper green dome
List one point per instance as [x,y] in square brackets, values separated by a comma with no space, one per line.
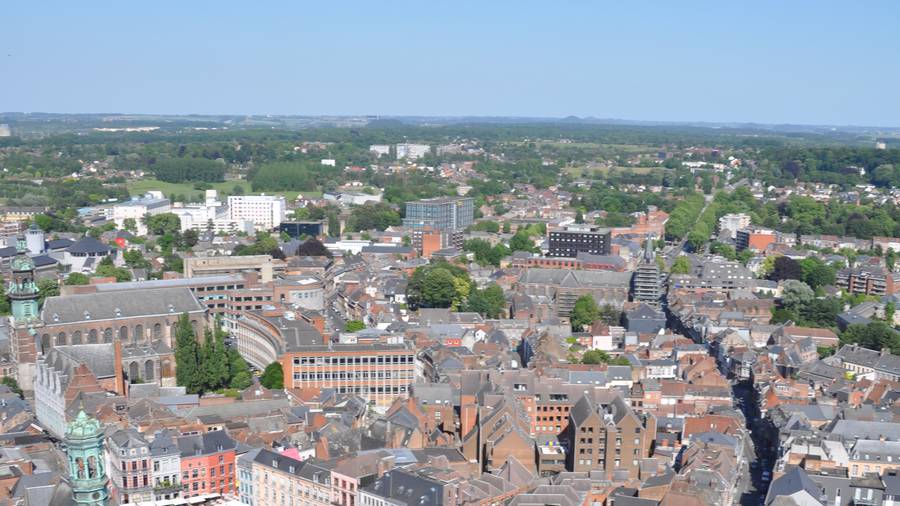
[83,427]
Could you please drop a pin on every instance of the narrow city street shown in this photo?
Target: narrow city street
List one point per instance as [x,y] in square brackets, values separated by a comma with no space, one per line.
[751,489]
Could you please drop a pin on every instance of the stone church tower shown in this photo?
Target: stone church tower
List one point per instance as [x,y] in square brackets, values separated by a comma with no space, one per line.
[23,297]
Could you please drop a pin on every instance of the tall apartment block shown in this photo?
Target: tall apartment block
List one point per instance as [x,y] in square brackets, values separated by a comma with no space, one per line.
[575,239]
[733,222]
[868,281]
[442,213]
[264,211]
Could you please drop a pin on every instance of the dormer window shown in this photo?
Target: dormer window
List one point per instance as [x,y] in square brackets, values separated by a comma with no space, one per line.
[118,312]
[55,317]
[171,308]
[87,315]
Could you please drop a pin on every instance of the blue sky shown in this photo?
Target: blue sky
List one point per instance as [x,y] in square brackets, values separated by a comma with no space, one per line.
[814,62]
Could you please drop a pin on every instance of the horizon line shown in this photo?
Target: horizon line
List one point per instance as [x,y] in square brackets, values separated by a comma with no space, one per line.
[558,119]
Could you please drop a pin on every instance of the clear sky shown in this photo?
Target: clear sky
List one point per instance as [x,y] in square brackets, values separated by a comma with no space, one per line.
[784,61]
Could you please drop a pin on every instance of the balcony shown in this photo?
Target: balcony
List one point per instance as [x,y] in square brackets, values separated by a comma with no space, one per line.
[166,487]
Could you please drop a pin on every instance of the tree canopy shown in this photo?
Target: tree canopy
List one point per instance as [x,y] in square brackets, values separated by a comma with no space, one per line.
[584,313]
[77,278]
[163,223]
[313,247]
[681,265]
[875,335]
[373,216]
[438,285]
[485,254]
[208,367]
[786,268]
[488,302]
[273,377]
[354,326]
[177,170]
[265,244]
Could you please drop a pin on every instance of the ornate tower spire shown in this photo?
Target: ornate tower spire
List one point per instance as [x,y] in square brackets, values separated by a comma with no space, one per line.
[87,469]
[23,291]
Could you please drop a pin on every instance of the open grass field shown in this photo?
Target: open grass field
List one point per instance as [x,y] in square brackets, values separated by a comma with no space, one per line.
[139,187]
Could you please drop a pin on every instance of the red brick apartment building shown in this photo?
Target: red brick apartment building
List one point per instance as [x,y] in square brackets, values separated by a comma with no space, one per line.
[207,463]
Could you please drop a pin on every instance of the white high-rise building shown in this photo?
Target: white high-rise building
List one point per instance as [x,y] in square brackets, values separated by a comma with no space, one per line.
[412,151]
[266,212]
[733,222]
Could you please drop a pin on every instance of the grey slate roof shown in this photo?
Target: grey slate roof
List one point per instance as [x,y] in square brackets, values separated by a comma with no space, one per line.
[99,358]
[716,438]
[576,279]
[869,449]
[237,409]
[870,358]
[297,334]
[205,444]
[43,261]
[407,488]
[104,305]
[225,279]
[644,312]
[793,481]
[853,429]
[164,443]
[88,245]
[128,438]
[56,244]
[276,460]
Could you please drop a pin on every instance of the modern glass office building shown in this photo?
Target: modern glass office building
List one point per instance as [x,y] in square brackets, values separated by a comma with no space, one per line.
[443,213]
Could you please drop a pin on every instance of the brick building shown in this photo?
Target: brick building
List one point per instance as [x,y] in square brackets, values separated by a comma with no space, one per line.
[139,316]
[376,372]
[207,463]
[757,239]
[868,281]
[609,438]
[263,336]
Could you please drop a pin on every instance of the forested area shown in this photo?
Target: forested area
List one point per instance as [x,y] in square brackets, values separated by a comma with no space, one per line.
[176,170]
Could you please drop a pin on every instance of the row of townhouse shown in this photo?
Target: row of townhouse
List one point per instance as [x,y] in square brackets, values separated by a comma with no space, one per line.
[169,466]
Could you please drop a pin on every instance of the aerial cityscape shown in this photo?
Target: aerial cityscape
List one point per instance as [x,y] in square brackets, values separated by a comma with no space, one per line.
[350,285]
